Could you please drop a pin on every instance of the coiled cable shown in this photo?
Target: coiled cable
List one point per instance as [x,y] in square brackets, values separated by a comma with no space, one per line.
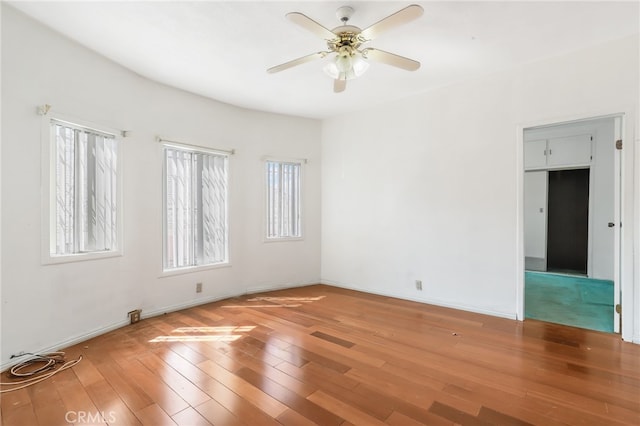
[37,375]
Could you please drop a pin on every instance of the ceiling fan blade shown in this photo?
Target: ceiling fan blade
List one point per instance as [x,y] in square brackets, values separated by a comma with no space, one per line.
[402,16]
[390,59]
[339,85]
[295,62]
[309,24]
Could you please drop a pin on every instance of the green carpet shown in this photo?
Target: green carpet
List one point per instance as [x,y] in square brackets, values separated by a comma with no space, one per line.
[569,300]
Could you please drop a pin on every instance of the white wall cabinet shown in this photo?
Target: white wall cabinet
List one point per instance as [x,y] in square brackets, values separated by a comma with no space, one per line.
[535,154]
[568,151]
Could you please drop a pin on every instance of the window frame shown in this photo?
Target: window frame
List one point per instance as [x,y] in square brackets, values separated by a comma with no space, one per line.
[301,184]
[164,272]
[48,193]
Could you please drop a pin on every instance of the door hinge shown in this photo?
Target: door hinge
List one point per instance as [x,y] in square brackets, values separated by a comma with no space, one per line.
[618,308]
[619,144]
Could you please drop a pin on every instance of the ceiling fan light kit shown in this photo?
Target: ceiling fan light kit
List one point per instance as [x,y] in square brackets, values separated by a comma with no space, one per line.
[348,64]
[345,41]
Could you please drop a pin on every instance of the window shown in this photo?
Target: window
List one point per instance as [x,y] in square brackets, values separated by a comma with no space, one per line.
[195,208]
[84,191]
[283,200]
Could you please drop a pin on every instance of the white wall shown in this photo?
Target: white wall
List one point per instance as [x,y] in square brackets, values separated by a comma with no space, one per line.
[45,306]
[430,187]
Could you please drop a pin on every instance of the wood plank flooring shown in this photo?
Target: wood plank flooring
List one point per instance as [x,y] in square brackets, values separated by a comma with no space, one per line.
[329,356]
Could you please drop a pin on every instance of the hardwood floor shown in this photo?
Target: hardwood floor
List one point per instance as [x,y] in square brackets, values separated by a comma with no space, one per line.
[329,356]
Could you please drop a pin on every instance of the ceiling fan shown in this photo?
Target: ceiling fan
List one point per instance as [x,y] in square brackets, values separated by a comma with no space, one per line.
[346,41]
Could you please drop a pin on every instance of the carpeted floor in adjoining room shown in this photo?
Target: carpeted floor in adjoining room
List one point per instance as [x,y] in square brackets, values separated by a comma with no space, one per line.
[569,300]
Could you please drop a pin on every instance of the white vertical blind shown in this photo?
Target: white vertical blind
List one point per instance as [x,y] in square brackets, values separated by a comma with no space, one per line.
[214,208]
[195,208]
[65,189]
[86,190]
[283,200]
[179,216]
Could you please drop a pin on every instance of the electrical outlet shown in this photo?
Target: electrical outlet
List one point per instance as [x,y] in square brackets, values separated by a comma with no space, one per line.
[135,315]
[198,287]
[418,285]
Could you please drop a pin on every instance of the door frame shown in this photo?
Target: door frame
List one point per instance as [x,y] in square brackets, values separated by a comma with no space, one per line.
[623,268]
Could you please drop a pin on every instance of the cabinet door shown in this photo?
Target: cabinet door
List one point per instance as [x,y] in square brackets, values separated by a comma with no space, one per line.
[570,151]
[535,154]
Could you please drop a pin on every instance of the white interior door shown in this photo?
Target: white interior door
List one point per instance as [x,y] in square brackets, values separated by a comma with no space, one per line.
[617,317]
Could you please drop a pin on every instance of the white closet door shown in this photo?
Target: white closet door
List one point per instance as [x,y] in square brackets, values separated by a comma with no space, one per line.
[535,220]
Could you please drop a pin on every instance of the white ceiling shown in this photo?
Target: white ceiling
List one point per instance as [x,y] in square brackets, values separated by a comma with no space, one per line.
[221,49]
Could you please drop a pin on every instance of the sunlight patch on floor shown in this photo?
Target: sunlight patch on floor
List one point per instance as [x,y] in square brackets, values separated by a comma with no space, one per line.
[276,302]
[205,334]
[286,299]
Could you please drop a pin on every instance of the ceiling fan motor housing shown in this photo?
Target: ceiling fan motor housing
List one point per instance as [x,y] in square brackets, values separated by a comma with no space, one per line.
[346,35]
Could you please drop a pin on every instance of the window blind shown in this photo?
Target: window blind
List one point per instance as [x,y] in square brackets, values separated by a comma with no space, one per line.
[283,200]
[195,208]
[86,164]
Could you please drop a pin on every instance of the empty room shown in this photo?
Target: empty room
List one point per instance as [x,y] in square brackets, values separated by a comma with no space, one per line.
[319,212]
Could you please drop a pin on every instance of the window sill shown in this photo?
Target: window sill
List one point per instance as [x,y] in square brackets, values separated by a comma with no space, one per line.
[192,269]
[49,259]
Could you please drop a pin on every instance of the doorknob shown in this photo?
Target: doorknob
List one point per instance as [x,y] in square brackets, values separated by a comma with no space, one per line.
[611,224]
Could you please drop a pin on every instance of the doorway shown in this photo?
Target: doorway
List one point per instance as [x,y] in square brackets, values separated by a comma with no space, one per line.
[571,249]
[568,221]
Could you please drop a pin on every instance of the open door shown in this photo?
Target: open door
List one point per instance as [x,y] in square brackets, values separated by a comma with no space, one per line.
[617,225]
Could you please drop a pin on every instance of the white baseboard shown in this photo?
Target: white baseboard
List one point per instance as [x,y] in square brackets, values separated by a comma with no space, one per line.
[430,301]
[65,343]
[147,314]
[249,290]
[186,305]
